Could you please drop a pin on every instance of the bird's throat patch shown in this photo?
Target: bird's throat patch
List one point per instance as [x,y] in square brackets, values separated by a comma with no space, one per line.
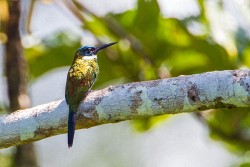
[89,57]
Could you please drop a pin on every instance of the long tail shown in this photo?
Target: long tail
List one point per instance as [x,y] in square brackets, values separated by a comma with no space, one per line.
[71,128]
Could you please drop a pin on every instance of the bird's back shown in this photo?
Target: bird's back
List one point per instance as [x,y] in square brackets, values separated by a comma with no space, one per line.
[81,77]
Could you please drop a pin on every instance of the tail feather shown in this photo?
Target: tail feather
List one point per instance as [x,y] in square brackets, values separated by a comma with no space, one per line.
[71,128]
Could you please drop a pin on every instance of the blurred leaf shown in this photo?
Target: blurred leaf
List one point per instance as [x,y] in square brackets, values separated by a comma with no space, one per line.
[246,57]
[194,62]
[51,53]
[3,109]
[244,160]
[142,125]
[146,19]
[231,126]
[245,165]
[6,160]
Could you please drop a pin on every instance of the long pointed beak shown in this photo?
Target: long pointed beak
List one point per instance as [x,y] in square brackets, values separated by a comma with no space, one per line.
[103,47]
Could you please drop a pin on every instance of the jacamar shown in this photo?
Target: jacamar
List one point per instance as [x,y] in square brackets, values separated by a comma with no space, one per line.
[81,77]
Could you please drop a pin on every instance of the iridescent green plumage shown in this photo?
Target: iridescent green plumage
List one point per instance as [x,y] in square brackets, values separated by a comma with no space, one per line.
[81,77]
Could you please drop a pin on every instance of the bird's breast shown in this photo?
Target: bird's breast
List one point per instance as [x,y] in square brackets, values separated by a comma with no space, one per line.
[84,68]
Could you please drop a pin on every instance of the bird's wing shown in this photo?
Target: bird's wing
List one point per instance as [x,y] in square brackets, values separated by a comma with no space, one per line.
[77,88]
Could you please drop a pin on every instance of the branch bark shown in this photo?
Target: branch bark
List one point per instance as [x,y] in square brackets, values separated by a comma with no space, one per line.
[218,89]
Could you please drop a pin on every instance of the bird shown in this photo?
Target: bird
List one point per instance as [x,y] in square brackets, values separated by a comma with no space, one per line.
[80,78]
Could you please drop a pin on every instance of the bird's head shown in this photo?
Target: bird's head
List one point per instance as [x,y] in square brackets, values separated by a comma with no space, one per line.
[90,52]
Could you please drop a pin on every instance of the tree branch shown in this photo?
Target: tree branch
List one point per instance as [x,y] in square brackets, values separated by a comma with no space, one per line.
[218,89]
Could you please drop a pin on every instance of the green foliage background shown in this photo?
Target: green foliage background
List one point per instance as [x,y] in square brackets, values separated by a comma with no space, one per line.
[152,47]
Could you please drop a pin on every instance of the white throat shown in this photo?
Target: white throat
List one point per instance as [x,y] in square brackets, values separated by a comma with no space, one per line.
[89,57]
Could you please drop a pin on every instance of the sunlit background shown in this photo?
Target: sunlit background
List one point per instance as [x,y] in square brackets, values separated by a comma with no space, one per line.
[157,39]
